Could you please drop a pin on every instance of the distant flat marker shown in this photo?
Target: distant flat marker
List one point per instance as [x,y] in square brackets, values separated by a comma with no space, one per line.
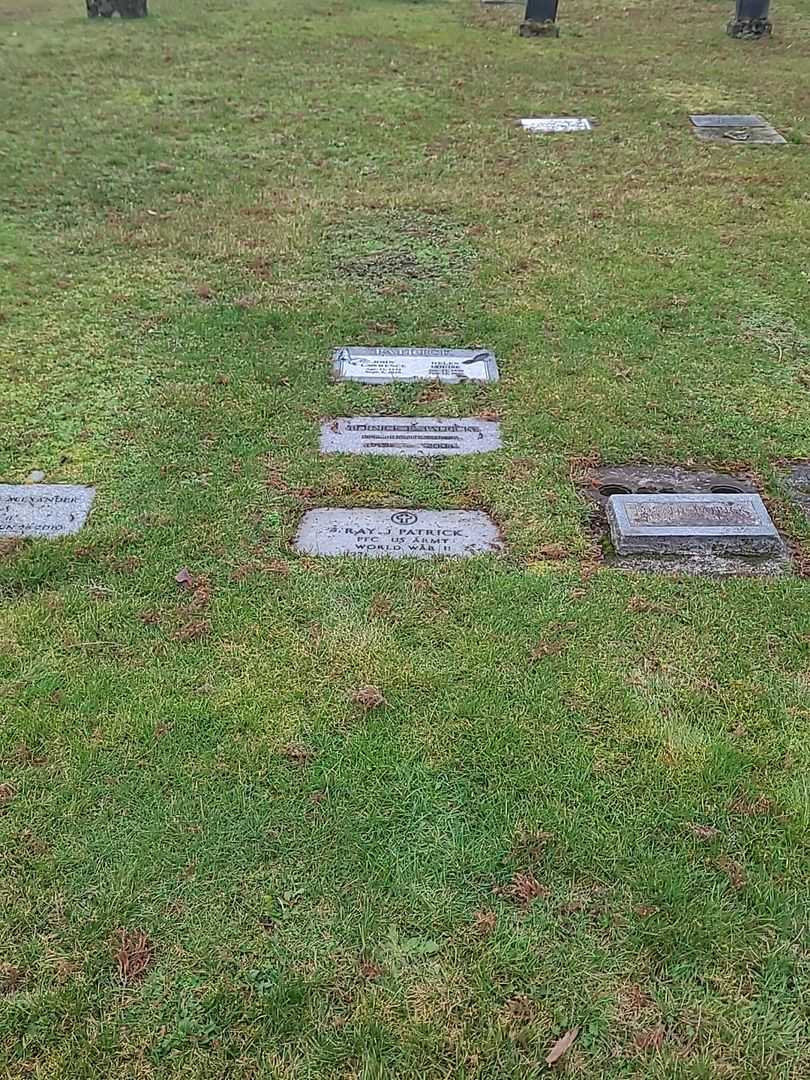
[727,120]
[550,124]
[727,128]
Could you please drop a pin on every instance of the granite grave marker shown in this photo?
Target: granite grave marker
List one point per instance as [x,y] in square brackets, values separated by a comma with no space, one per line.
[551,124]
[692,524]
[721,127]
[382,365]
[409,436]
[43,510]
[398,534]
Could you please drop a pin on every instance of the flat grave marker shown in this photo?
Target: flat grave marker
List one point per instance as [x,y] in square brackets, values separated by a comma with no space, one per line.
[551,124]
[692,524]
[47,511]
[357,363]
[798,481]
[720,127]
[727,120]
[398,534]
[409,436]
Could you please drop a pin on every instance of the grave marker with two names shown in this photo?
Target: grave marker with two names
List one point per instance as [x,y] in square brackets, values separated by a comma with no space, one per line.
[409,436]
[43,511]
[378,366]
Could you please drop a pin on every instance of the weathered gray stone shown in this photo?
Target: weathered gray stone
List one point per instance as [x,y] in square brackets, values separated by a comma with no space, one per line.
[714,120]
[798,481]
[748,136]
[409,436]
[603,481]
[43,510]
[382,365]
[692,524]
[398,534]
[127,9]
[546,124]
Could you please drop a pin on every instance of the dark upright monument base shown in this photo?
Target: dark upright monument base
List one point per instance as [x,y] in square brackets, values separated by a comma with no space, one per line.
[548,28]
[127,9]
[540,19]
[750,19]
[749,28]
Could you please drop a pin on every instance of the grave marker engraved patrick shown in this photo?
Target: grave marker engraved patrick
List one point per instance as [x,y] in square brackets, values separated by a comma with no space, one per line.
[380,365]
[398,534]
[692,524]
[43,510]
[409,436]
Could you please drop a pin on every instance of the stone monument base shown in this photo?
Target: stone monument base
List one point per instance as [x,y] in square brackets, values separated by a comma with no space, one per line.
[749,28]
[127,9]
[531,28]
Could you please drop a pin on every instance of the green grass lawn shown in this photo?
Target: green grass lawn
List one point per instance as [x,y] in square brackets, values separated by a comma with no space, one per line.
[583,800]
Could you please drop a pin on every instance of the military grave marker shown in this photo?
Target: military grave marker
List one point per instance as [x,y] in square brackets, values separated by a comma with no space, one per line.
[48,511]
[398,534]
[409,436]
[383,365]
[689,524]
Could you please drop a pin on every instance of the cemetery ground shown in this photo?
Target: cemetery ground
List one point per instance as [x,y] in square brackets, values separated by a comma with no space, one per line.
[270,815]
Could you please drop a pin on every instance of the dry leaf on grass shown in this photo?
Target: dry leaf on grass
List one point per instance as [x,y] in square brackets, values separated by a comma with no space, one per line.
[381,607]
[370,971]
[520,1009]
[485,922]
[133,955]
[562,1046]
[546,648]
[7,793]
[184,577]
[703,832]
[296,754]
[644,911]
[8,547]
[522,889]
[194,630]
[750,807]
[366,698]
[11,978]
[551,553]
[653,1039]
[733,871]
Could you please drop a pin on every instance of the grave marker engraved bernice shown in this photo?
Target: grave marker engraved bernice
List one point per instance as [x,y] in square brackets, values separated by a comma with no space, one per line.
[692,524]
[398,534]
[550,124]
[359,363]
[33,511]
[409,436]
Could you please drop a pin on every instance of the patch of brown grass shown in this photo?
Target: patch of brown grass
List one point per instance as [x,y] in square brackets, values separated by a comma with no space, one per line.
[523,889]
[134,954]
[367,698]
